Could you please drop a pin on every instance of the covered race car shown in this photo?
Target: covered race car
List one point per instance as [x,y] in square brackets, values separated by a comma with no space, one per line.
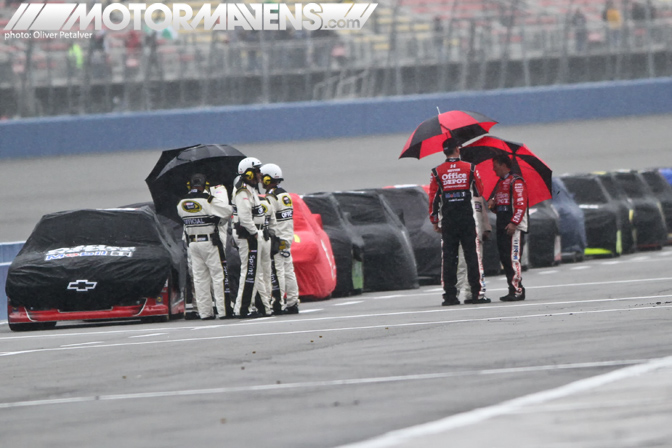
[648,219]
[313,257]
[607,219]
[390,263]
[411,204]
[96,265]
[572,222]
[347,244]
[626,208]
[543,238]
[663,192]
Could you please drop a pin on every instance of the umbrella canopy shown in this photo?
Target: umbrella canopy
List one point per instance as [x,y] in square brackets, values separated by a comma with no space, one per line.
[536,173]
[168,179]
[459,125]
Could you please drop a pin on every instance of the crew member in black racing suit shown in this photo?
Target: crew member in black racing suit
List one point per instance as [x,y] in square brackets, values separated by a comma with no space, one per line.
[450,210]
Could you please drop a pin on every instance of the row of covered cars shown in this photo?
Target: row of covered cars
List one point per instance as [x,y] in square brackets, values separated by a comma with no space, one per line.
[130,263]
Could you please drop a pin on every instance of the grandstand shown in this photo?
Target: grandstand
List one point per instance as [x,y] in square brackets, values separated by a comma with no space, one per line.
[406,47]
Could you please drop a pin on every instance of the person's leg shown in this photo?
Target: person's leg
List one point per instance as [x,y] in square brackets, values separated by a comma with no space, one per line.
[216,273]
[248,275]
[291,287]
[449,246]
[202,280]
[468,239]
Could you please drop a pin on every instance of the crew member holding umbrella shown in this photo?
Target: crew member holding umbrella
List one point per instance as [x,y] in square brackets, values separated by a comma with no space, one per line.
[509,202]
[248,221]
[450,210]
[200,213]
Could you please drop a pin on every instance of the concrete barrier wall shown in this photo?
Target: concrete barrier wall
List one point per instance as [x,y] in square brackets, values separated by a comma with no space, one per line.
[314,120]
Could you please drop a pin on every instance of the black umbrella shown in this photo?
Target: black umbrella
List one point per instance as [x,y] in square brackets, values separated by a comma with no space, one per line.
[168,180]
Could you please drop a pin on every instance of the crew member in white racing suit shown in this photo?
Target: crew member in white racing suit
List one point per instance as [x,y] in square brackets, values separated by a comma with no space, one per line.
[220,192]
[248,221]
[200,213]
[483,230]
[283,229]
[265,269]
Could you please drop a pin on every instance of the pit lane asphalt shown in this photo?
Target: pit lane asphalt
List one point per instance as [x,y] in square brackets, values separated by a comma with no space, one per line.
[355,370]
[352,370]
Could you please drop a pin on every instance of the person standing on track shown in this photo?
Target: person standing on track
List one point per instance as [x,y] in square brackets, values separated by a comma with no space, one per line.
[483,231]
[248,222]
[283,228]
[450,190]
[509,202]
[201,213]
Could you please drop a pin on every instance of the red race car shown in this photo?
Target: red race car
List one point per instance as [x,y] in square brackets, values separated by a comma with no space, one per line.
[313,257]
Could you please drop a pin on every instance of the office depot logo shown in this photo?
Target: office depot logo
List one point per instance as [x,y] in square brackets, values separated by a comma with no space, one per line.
[75,18]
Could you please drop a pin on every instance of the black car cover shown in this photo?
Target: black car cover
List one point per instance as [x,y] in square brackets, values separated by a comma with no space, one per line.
[663,192]
[648,219]
[93,259]
[388,254]
[346,244]
[605,217]
[541,239]
[411,205]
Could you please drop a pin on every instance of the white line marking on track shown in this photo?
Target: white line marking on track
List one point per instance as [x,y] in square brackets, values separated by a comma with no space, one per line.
[146,335]
[552,271]
[579,267]
[82,343]
[354,302]
[358,316]
[365,327]
[611,262]
[395,438]
[326,383]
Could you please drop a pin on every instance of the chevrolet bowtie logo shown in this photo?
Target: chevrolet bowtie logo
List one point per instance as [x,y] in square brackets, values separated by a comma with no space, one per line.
[82,285]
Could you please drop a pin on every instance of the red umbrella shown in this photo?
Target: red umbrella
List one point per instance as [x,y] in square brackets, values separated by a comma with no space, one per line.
[536,173]
[459,125]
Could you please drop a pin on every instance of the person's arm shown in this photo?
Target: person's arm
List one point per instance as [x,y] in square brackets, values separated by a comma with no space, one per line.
[433,203]
[478,182]
[244,206]
[518,200]
[220,202]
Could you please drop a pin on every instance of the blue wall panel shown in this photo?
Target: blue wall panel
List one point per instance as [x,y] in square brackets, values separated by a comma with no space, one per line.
[315,120]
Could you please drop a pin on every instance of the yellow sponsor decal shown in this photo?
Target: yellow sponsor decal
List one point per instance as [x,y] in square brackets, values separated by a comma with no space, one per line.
[296,238]
[191,206]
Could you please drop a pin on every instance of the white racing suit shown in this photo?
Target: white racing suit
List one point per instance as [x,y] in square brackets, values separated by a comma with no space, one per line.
[482,225]
[265,272]
[283,228]
[248,221]
[221,193]
[200,213]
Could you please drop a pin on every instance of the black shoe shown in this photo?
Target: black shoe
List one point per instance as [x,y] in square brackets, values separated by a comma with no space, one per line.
[208,318]
[477,300]
[451,301]
[277,313]
[512,298]
[294,309]
[226,317]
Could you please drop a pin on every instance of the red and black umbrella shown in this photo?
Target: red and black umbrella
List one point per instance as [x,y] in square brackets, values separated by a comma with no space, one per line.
[459,125]
[536,173]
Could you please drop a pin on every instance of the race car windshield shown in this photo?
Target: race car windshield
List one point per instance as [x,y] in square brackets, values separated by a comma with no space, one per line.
[612,187]
[631,184]
[363,209]
[586,190]
[93,227]
[656,182]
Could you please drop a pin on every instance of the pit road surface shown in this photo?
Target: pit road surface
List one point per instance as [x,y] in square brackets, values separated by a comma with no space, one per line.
[355,370]
[348,370]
